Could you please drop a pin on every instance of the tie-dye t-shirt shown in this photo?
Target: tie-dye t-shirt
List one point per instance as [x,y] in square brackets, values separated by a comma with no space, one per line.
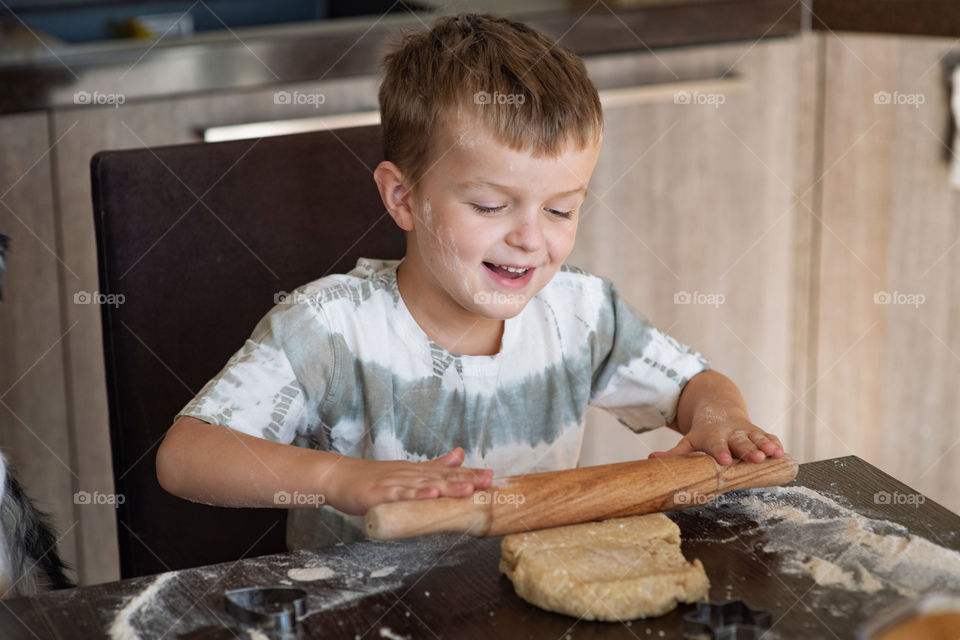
[341,365]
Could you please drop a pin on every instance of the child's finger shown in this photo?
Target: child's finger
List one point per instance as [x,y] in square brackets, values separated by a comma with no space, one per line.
[720,450]
[452,459]
[395,494]
[435,474]
[777,442]
[452,482]
[465,474]
[482,478]
[435,490]
[684,446]
[744,448]
[442,488]
[767,443]
[458,489]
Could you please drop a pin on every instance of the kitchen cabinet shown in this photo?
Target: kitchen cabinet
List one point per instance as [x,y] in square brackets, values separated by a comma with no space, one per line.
[34,393]
[693,214]
[834,209]
[888,352]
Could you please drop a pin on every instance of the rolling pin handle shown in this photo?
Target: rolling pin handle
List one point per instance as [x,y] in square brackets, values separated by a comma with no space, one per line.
[392,520]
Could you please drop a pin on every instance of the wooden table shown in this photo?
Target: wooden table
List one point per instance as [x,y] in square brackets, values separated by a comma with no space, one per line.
[448,585]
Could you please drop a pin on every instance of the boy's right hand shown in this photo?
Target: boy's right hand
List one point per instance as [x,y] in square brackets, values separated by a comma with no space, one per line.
[361,484]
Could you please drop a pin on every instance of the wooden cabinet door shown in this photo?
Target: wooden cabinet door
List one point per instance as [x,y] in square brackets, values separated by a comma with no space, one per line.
[697,214]
[888,353]
[34,335]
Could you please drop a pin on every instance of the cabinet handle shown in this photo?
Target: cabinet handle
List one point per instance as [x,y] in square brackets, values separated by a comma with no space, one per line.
[609,98]
[669,91]
[284,127]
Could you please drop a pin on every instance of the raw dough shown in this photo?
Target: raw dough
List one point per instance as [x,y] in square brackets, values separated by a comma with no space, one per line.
[614,570]
[305,574]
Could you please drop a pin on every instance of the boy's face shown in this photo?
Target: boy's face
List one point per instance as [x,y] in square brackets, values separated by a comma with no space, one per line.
[483,206]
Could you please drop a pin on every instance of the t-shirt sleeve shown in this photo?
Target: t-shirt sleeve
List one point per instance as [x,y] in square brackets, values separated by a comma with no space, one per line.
[258,391]
[641,370]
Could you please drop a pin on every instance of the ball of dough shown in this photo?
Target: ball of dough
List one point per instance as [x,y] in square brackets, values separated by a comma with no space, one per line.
[613,570]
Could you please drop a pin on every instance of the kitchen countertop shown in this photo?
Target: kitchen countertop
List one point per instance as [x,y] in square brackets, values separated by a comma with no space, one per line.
[883,541]
[268,56]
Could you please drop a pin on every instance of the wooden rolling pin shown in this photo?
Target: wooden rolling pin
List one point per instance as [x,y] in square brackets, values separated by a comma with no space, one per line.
[555,498]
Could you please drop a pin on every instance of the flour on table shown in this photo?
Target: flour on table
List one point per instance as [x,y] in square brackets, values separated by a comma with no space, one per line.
[387,632]
[383,572]
[307,574]
[334,579]
[122,629]
[825,572]
[836,546]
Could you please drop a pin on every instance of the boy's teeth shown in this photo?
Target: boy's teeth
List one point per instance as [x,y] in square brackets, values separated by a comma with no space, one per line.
[511,269]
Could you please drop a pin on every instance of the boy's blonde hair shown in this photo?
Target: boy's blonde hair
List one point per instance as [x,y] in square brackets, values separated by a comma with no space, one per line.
[526,90]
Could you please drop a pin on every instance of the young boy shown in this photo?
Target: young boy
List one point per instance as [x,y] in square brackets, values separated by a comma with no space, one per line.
[478,353]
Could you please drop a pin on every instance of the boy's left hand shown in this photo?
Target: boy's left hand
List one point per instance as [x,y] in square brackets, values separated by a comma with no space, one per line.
[726,437]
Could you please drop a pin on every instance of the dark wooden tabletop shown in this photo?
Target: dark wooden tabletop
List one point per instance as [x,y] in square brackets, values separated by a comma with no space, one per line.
[839,544]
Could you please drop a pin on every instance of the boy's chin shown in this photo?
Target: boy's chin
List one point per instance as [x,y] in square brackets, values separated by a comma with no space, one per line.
[502,311]
[503,314]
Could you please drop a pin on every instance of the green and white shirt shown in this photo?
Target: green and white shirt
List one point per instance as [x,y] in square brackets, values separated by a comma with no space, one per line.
[341,365]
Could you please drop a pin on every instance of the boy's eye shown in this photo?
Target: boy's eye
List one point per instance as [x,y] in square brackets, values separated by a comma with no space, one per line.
[483,209]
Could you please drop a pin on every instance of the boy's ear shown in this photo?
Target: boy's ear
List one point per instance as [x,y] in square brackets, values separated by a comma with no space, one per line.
[394,193]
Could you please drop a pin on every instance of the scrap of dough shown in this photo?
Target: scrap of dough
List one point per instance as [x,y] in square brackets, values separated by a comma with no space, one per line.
[613,570]
[306,574]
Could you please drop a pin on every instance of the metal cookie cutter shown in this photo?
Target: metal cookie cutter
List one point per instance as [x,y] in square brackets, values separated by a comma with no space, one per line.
[269,608]
[731,620]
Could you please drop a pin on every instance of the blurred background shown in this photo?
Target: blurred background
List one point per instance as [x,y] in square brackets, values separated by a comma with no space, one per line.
[777,189]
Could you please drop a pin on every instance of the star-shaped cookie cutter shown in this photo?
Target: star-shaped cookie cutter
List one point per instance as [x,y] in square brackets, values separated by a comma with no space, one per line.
[731,620]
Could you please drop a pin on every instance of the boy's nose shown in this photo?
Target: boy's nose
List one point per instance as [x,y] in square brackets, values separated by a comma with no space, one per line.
[526,233]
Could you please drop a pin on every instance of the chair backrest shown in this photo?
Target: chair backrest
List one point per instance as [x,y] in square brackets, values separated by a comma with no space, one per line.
[198,239]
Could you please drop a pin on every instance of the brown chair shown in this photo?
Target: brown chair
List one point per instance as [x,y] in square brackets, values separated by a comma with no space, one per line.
[199,239]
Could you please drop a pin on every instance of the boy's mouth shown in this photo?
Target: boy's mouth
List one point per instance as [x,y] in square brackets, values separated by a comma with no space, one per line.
[507,271]
[510,277]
